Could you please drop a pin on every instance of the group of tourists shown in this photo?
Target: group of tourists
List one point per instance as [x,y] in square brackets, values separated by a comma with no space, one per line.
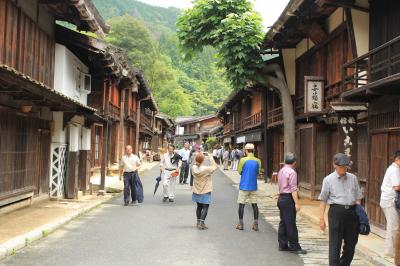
[229,157]
[340,190]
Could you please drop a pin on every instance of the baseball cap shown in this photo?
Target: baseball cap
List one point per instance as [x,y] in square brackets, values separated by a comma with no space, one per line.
[341,159]
[249,146]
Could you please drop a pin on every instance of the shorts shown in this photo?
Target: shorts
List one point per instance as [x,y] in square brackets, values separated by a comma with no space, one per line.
[247,197]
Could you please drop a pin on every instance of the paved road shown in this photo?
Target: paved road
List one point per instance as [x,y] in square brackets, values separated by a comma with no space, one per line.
[159,234]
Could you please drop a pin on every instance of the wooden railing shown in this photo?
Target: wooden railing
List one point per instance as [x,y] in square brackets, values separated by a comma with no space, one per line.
[228,128]
[379,63]
[113,111]
[275,116]
[145,120]
[251,121]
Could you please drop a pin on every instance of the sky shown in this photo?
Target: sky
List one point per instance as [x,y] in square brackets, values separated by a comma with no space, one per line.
[270,10]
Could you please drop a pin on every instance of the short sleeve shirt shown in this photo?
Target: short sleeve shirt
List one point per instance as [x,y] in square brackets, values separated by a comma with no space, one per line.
[343,190]
[391,179]
[130,163]
[249,168]
[287,180]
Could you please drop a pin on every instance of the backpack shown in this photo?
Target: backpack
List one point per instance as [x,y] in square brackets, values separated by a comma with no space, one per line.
[237,155]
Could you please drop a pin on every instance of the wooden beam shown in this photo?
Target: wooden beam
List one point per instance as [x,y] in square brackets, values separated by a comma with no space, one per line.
[342,3]
[350,32]
[316,33]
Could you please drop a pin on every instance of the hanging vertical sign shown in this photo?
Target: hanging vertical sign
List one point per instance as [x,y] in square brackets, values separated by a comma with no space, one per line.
[347,129]
[313,94]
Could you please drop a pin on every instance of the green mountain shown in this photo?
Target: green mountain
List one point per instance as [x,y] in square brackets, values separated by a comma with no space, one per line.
[199,83]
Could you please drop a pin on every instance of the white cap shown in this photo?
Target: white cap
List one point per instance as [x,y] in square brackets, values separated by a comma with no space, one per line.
[249,146]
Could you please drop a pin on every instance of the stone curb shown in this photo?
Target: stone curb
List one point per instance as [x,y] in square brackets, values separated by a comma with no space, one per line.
[11,246]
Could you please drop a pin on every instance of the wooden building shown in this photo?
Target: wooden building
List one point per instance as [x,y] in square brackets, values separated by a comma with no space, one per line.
[163,132]
[243,115]
[32,105]
[341,59]
[196,129]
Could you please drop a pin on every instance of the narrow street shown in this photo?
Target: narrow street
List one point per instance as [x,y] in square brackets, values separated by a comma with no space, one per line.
[159,233]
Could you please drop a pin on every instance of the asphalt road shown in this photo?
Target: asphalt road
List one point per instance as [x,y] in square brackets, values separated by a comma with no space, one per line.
[159,233]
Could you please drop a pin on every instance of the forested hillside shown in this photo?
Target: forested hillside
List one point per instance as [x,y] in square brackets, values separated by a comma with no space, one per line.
[148,34]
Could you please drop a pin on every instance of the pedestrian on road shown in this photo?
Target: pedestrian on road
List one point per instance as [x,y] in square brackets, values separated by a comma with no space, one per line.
[225,158]
[237,155]
[249,168]
[342,192]
[169,167]
[192,161]
[288,204]
[129,166]
[215,154]
[185,154]
[202,187]
[391,184]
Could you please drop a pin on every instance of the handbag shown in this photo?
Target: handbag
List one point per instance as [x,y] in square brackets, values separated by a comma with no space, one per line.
[397,201]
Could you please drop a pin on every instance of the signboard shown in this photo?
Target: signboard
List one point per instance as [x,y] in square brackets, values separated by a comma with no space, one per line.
[347,129]
[313,94]
[254,137]
[241,139]
[227,140]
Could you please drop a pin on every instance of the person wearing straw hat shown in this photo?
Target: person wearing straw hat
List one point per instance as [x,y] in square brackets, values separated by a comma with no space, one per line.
[249,168]
[342,192]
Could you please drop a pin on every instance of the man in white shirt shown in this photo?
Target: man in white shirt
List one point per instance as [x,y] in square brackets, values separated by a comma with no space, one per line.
[185,154]
[129,165]
[391,184]
[170,170]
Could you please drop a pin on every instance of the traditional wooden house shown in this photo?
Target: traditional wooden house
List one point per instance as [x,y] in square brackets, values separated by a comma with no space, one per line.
[243,116]
[164,130]
[196,129]
[340,63]
[35,108]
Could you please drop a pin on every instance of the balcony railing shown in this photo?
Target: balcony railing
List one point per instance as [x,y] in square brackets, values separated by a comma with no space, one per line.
[114,111]
[145,120]
[131,115]
[275,116]
[251,121]
[228,128]
[379,63]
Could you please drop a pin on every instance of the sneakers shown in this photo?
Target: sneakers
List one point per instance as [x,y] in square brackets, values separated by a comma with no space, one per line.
[255,227]
[239,227]
[171,200]
[165,199]
[202,226]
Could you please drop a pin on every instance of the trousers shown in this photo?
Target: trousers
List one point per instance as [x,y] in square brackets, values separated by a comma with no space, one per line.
[343,227]
[392,226]
[184,172]
[129,187]
[288,235]
[168,184]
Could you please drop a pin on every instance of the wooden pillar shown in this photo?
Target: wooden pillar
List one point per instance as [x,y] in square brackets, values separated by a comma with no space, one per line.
[137,128]
[122,124]
[71,182]
[104,154]
[84,160]
[266,163]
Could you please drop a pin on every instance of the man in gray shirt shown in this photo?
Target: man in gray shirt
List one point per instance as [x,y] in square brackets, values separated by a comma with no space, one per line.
[342,192]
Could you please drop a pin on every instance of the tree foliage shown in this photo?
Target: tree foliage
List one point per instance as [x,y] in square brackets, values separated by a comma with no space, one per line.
[233,28]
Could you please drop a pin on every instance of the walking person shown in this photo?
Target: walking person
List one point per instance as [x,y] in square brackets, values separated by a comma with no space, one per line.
[288,204]
[225,158]
[192,161]
[202,187]
[215,154]
[129,166]
[342,192]
[185,154]
[391,184]
[249,168]
[169,167]
[236,158]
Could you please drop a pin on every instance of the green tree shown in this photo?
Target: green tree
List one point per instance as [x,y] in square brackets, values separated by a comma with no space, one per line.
[234,29]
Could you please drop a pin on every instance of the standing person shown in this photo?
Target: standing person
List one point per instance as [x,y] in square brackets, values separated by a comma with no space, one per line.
[236,158]
[215,154]
[342,192]
[169,167]
[249,168]
[202,188]
[197,150]
[185,154]
[220,153]
[225,158]
[391,184]
[288,204]
[128,168]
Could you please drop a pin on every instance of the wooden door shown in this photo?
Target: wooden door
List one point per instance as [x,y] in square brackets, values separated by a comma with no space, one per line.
[378,164]
[44,161]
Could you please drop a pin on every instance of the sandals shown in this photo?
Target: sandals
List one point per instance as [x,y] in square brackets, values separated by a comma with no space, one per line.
[202,226]
[255,227]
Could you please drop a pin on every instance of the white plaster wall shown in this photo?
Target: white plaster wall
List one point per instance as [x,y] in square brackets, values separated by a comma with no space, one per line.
[361,31]
[289,57]
[303,46]
[74,137]
[335,20]
[66,76]
[58,134]
[85,139]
